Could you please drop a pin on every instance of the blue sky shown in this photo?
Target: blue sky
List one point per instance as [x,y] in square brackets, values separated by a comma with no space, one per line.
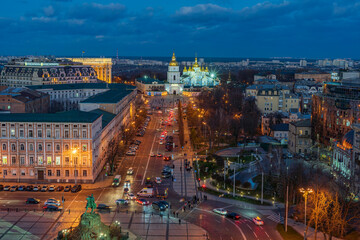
[219,28]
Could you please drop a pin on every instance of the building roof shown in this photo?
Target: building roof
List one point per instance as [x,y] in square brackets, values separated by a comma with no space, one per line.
[111,96]
[148,80]
[73,86]
[280,127]
[22,94]
[67,117]
[348,139]
[302,123]
[106,116]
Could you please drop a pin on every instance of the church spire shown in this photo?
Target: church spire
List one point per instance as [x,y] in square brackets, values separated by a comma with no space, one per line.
[229,78]
[173,61]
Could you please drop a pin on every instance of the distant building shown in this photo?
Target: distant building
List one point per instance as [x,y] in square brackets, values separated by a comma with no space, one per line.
[23,100]
[318,77]
[342,158]
[334,111]
[303,63]
[26,73]
[150,86]
[280,132]
[102,66]
[300,136]
[264,76]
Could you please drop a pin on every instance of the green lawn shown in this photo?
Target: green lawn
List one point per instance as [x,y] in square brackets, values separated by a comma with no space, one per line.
[291,233]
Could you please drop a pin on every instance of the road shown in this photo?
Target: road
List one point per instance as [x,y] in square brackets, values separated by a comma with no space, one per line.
[145,166]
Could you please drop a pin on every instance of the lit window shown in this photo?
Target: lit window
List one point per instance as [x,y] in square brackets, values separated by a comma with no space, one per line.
[40,160]
[57,161]
[4,159]
[49,160]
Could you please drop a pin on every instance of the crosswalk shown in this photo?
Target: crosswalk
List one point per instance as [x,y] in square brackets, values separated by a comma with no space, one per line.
[276,218]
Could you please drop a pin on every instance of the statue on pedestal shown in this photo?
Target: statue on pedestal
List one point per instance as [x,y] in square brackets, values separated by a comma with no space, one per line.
[90,203]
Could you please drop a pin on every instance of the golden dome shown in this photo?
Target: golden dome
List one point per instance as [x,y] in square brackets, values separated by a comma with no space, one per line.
[206,70]
[173,61]
[196,65]
[185,69]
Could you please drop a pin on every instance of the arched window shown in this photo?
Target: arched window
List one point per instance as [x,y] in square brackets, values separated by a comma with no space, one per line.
[13,147]
[40,147]
[4,146]
[174,77]
[31,147]
[66,147]
[22,147]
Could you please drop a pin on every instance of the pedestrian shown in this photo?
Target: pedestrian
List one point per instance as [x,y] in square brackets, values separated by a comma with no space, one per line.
[173,166]
[177,214]
[179,221]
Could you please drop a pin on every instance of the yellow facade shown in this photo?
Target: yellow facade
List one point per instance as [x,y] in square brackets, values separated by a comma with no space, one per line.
[102,66]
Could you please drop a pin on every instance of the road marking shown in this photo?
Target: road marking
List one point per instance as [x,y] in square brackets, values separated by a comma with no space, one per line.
[147,165]
[100,195]
[267,235]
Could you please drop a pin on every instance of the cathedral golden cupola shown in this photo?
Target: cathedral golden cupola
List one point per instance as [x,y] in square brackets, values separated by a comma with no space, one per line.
[206,70]
[185,69]
[173,61]
[196,65]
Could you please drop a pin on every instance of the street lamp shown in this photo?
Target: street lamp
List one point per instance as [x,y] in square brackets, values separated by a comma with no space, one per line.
[305,193]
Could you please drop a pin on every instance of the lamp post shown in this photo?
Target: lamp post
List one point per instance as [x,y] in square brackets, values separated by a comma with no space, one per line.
[305,193]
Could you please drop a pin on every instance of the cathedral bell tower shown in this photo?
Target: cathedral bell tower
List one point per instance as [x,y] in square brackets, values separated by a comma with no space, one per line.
[173,74]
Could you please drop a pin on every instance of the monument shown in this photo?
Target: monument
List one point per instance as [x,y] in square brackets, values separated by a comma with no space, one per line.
[90,226]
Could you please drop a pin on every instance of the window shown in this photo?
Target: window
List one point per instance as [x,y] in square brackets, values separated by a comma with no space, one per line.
[4,160]
[21,132]
[48,160]
[12,132]
[49,172]
[84,134]
[66,134]
[66,173]
[31,160]
[84,160]
[57,147]
[48,133]
[31,147]
[57,160]
[300,132]
[13,147]
[3,133]
[84,173]
[75,160]
[22,160]
[39,133]
[57,133]
[58,173]
[22,147]
[84,147]
[48,147]
[66,147]
[14,172]
[13,160]
[40,147]
[67,159]
[76,135]
[306,132]
[4,146]
[40,160]
[22,172]
[76,173]
[5,172]
[31,133]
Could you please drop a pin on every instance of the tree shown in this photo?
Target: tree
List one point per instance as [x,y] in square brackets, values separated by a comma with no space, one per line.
[112,151]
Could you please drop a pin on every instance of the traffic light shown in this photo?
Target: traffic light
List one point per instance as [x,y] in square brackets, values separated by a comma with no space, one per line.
[203,186]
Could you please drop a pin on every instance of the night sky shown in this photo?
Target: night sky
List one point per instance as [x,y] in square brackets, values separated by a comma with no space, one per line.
[228,28]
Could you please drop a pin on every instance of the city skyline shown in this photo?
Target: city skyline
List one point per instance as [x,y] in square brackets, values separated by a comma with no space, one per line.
[298,29]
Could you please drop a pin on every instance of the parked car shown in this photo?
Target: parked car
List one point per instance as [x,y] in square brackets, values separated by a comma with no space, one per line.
[52,208]
[44,188]
[52,201]
[21,188]
[152,154]
[67,188]
[233,215]
[76,188]
[159,155]
[158,206]
[121,202]
[7,188]
[29,188]
[130,153]
[51,188]
[103,207]
[32,201]
[14,188]
[36,188]
[59,188]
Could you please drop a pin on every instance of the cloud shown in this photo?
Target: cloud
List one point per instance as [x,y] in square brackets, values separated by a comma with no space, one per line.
[49,11]
[202,13]
[98,12]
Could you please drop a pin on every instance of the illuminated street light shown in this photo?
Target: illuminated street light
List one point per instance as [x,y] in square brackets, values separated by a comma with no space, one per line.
[305,193]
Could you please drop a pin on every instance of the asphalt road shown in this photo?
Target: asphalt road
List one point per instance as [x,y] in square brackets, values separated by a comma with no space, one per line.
[145,166]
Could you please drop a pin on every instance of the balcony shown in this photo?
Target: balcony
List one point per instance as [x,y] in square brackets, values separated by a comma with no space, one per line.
[304,135]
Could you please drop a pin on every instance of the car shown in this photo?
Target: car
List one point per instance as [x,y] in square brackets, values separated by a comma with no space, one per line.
[52,208]
[21,188]
[103,207]
[233,215]
[29,188]
[121,202]
[220,211]
[127,184]
[161,142]
[76,188]
[158,206]
[44,188]
[67,188]
[36,188]
[165,174]
[130,171]
[142,201]
[302,155]
[14,188]
[158,180]
[167,158]
[130,153]
[258,221]
[52,201]
[167,205]
[32,201]
[152,155]
[59,188]
[159,155]
[131,196]
[7,188]
[51,188]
